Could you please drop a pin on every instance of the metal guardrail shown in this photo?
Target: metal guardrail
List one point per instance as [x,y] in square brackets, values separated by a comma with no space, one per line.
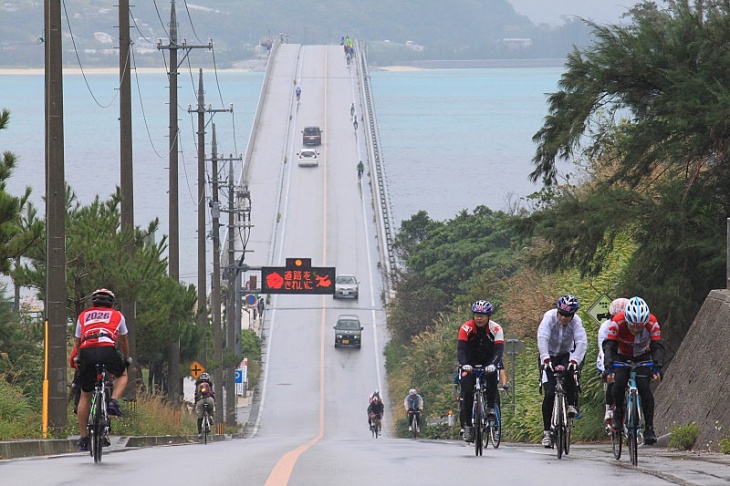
[386,230]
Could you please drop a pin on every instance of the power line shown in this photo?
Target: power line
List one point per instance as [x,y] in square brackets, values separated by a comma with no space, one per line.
[141,106]
[81,67]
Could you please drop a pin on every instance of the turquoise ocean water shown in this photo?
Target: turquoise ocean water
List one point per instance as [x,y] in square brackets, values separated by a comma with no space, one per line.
[452,138]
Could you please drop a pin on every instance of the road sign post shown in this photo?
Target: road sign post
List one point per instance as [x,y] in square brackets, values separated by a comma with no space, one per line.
[513,347]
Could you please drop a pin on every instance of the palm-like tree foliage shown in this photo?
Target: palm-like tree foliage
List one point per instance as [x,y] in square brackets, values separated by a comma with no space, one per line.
[648,106]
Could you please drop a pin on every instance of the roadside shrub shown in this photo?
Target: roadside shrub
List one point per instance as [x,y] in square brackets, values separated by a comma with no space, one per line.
[154,415]
[683,436]
[18,420]
[725,446]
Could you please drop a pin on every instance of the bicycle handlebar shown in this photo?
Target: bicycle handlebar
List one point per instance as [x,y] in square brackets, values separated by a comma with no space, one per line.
[632,365]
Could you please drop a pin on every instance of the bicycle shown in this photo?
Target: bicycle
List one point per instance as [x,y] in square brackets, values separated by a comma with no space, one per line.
[99,424]
[359,172]
[207,421]
[375,425]
[479,419]
[352,109]
[633,424]
[560,423]
[415,427]
[494,424]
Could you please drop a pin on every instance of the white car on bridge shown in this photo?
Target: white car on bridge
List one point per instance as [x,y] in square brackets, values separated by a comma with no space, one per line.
[308,158]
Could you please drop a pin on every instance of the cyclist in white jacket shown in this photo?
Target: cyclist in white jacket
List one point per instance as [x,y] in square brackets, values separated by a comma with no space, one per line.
[561,340]
[617,306]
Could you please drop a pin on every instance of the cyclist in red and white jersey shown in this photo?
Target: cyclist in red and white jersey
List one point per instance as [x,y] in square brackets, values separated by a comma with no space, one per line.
[634,336]
[480,342]
[98,329]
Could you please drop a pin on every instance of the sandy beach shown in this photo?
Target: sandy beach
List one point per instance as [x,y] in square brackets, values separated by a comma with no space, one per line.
[97,70]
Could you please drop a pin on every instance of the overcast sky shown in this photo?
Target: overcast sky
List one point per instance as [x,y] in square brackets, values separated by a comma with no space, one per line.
[552,11]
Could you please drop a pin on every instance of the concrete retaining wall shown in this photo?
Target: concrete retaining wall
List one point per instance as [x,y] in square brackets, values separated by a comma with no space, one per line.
[696,385]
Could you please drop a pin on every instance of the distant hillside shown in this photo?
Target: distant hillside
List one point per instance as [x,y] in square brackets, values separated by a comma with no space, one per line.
[403,31]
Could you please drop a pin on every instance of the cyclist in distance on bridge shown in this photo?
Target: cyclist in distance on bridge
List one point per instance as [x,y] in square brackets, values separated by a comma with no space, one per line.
[298,92]
[480,342]
[413,403]
[634,335]
[98,329]
[360,169]
[376,410]
[561,340]
[617,306]
[204,394]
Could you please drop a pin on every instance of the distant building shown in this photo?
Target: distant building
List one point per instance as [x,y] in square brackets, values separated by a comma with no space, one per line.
[416,47]
[516,43]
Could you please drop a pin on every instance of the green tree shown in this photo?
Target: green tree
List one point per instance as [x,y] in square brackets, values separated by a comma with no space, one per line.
[165,313]
[448,265]
[96,257]
[15,238]
[647,106]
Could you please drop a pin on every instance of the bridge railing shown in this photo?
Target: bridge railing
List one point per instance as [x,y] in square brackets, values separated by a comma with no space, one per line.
[384,215]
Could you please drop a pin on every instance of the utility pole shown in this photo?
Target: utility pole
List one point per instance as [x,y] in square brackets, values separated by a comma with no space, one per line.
[126,179]
[174,390]
[202,270]
[216,281]
[55,400]
[233,333]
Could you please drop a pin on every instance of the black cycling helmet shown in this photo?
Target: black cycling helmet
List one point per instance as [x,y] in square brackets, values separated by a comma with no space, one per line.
[102,298]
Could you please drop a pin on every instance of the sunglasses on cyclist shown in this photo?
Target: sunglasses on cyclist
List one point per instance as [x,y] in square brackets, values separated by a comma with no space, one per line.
[566,314]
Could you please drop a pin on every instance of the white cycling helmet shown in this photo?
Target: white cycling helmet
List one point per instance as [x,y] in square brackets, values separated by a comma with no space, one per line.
[618,305]
[636,313]
[412,391]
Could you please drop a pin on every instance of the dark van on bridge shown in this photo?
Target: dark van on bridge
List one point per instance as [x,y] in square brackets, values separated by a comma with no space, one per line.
[348,331]
[311,136]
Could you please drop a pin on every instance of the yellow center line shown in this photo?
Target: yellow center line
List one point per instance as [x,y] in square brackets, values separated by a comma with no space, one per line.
[284,467]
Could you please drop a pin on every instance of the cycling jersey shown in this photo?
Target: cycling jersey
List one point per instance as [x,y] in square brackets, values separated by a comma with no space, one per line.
[480,345]
[555,339]
[100,326]
[630,344]
[602,334]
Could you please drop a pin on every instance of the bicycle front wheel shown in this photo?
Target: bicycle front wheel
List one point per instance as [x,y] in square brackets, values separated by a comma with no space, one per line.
[477,423]
[633,431]
[560,425]
[616,442]
[206,426]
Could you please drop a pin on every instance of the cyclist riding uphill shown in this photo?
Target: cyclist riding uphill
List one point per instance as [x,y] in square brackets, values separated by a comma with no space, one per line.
[376,410]
[412,403]
[481,342]
[98,329]
[634,336]
[204,393]
[617,306]
[561,340]
[298,92]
